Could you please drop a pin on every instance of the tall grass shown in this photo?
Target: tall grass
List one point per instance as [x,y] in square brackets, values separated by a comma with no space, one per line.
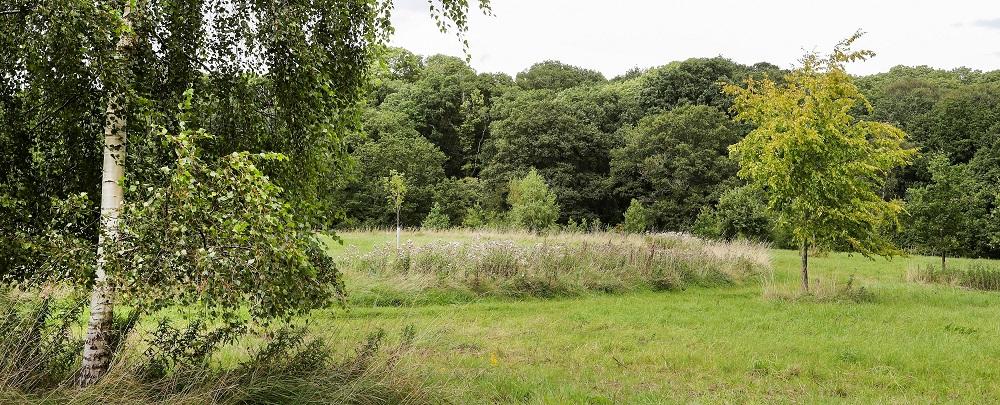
[40,346]
[976,276]
[525,265]
[830,290]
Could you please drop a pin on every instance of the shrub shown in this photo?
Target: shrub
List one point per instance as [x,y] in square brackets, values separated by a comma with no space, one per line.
[740,213]
[533,206]
[596,225]
[636,218]
[573,227]
[436,220]
[475,217]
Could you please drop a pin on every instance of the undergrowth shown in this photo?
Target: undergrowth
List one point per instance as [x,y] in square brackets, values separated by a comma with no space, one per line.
[976,276]
[40,346]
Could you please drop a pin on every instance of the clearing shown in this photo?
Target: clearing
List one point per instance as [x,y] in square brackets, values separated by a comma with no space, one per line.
[909,343]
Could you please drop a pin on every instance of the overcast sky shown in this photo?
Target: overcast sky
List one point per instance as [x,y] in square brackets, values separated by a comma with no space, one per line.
[614,35]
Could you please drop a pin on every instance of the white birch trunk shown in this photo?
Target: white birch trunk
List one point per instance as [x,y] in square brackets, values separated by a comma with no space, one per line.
[96,349]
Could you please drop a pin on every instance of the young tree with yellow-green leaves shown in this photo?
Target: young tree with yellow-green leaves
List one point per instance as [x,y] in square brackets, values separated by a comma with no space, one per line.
[820,166]
[395,188]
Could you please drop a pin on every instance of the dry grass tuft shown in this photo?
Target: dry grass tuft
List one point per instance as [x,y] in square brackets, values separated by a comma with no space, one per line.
[828,290]
[518,264]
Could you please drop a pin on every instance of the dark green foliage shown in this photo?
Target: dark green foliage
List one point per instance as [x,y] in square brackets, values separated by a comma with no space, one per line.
[947,217]
[585,136]
[694,81]
[442,103]
[962,122]
[458,197]
[287,80]
[952,112]
[419,161]
[477,217]
[447,103]
[218,235]
[608,106]
[555,75]
[537,129]
[740,213]
[676,163]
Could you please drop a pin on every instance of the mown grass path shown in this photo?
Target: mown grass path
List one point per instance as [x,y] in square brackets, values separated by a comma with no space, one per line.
[913,344]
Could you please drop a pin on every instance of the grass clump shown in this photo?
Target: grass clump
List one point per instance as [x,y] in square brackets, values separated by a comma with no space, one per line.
[561,265]
[40,355]
[976,276]
[821,291]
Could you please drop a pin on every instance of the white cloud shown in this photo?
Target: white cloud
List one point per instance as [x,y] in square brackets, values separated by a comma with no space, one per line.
[613,36]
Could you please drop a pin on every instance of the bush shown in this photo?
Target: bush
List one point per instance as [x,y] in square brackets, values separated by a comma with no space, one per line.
[573,227]
[740,213]
[436,220]
[533,206]
[475,217]
[636,218]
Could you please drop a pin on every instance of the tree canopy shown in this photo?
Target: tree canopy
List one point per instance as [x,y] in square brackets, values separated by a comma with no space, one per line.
[676,162]
[821,168]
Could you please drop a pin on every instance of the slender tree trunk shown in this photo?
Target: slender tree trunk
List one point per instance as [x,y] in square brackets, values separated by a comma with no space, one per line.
[943,265]
[805,268]
[398,229]
[96,349]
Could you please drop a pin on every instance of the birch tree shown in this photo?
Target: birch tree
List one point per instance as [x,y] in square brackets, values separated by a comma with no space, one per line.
[96,353]
[285,78]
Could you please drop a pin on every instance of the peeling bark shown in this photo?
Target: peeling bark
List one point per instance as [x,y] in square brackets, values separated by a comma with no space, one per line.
[96,349]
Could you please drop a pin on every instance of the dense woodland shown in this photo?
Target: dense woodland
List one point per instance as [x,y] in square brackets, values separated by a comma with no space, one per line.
[659,136]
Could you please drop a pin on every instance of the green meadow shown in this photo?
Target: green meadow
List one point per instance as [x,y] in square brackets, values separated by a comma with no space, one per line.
[752,341]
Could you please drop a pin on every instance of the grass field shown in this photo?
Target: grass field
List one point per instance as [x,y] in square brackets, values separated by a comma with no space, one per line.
[912,343]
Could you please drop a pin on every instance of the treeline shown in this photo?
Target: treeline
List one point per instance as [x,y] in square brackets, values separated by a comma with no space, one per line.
[656,139]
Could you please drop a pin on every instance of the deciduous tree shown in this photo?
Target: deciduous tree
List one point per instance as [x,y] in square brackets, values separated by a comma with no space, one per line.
[676,163]
[268,78]
[395,188]
[947,217]
[821,167]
